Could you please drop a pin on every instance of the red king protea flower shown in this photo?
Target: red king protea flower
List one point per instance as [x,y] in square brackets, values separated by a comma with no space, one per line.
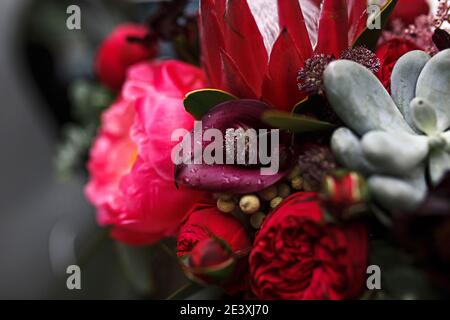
[254,48]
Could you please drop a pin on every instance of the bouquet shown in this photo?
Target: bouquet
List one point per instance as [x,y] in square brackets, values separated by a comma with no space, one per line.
[293,149]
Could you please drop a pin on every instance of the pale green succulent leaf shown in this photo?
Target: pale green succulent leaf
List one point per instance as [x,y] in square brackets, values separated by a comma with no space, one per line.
[446,136]
[404,80]
[394,194]
[360,100]
[433,86]
[424,116]
[346,146]
[439,165]
[394,153]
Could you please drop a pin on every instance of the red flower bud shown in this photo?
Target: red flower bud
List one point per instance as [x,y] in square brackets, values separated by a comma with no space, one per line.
[344,194]
[211,261]
[213,247]
[208,253]
[128,44]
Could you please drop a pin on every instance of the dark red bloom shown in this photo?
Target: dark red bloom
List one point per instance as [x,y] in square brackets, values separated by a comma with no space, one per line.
[426,233]
[296,256]
[389,53]
[247,53]
[408,10]
[213,247]
[128,44]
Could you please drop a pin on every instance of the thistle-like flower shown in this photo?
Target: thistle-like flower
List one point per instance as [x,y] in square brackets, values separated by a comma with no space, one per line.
[315,163]
[310,77]
[363,56]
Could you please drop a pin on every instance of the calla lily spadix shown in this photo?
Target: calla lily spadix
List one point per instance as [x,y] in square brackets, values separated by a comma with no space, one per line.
[254,49]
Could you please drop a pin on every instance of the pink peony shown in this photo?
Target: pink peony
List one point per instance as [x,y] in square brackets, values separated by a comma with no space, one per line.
[131,171]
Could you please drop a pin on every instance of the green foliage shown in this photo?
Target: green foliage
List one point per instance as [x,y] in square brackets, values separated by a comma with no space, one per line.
[199,102]
[369,38]
[88,101]
[295,123]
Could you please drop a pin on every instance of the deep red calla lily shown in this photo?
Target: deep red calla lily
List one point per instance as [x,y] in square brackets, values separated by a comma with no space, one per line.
[239,58]
[234,178]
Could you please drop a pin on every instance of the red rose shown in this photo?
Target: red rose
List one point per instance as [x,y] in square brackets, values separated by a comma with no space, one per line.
[210,242]
[389,53]
[408,10]
[296,256]
[117,53]
[209,252]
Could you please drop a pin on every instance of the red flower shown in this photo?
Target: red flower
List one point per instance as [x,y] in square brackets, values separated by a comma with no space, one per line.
[230,243]
[125,46]
[209,252]
[249,54]
[131,173]
[296,256]
[388,53]
[408,10]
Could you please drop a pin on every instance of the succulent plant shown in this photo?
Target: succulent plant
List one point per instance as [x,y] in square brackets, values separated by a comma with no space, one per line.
[396,141]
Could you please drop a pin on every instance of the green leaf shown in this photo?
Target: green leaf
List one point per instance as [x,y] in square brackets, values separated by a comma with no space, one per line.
[136,263]
[185,291]
[208,293]
[369,38]
[73,149]
[301,104]
[89,99]
[199,102]
[295,123]
[312,104]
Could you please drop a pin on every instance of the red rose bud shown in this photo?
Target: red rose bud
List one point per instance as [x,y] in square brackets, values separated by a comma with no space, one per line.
[211,261]
[408,10]
[208,253]
[344,194]
[128,44]
[213,247]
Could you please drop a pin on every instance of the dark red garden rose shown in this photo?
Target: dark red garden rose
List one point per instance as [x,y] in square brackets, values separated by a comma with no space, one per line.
[296,256]
[128,44]
[408,10]
[213,248]
[389,52]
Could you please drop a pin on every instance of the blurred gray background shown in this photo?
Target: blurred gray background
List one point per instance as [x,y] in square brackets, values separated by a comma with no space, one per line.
[45,224]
